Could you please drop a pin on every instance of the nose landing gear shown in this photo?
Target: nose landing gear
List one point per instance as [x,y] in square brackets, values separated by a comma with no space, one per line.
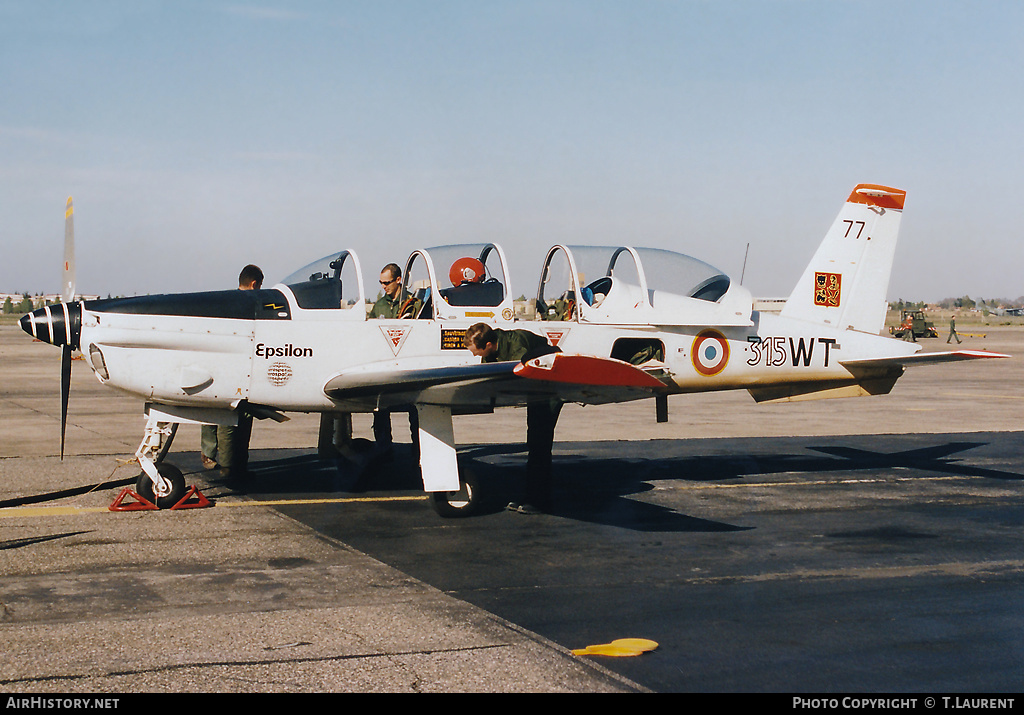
[161,483]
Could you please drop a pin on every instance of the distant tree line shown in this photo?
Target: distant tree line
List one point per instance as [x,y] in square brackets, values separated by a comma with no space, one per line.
[907,305]
[962,303]
[26,305]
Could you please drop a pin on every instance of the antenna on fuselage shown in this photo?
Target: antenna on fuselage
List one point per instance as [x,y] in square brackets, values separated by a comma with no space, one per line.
[743,273]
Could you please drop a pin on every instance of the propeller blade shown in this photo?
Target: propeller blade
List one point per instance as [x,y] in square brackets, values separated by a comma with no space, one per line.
[68,284]
[68,294]
[65,391]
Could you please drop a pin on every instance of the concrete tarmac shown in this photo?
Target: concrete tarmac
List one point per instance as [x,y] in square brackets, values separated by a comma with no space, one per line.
[239,598]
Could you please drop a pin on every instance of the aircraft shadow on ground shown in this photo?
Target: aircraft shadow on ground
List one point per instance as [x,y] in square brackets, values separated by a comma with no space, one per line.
[831,459]
[32,540]
[599,496]
[597,488]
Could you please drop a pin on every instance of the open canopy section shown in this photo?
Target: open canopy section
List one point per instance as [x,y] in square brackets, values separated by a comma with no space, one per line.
[626,285]
[464,281]
[334,282]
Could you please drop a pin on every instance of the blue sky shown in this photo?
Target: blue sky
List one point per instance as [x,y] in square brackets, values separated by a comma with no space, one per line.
[196,137]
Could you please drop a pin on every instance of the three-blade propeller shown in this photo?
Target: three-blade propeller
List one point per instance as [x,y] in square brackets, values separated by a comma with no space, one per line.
[61,324]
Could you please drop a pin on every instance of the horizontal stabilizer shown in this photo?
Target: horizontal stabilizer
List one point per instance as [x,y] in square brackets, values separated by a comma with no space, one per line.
[922,359]
[873,376]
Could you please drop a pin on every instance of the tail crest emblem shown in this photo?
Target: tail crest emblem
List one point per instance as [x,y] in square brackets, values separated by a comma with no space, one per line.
[827,289]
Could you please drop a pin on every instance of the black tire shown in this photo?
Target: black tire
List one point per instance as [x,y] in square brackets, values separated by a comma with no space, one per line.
[460,504]
[144,486]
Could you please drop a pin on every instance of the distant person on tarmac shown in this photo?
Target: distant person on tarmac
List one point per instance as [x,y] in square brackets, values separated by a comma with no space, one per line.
[952,331]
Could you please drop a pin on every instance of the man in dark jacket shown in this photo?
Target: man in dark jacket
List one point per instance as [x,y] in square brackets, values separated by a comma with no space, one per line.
[224,446]
[497,345]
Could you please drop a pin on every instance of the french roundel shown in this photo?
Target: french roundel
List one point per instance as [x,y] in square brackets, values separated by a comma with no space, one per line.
[710,353]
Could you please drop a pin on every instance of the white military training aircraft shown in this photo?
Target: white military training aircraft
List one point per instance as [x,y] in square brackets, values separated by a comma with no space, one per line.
[630,323]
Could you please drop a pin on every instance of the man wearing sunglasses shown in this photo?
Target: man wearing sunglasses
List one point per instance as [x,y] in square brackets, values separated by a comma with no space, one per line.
[389,306]
[390,303]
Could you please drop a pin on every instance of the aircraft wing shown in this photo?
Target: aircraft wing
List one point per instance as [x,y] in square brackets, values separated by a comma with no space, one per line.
[572,378]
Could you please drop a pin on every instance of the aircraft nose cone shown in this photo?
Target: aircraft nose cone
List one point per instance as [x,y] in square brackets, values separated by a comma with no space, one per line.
[59,324]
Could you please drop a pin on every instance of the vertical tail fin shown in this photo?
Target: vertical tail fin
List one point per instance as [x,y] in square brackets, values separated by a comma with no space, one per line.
[845,283]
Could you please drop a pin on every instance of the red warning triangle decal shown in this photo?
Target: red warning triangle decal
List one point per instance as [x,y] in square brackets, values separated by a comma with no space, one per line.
[555,336]
[395,337]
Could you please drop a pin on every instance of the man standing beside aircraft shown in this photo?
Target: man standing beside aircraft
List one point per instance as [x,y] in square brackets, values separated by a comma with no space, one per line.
[389,306]
[223,445]
[497,345]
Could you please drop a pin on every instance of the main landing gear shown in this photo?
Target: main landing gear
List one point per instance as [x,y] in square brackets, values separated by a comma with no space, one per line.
[453,491]
[461,503]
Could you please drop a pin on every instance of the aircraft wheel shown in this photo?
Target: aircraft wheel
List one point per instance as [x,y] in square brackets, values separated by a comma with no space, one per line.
[454,505]
[144,486]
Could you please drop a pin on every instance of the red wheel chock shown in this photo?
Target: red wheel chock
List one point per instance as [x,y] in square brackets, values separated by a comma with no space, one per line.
[141,503]
[199,502]
[193,499]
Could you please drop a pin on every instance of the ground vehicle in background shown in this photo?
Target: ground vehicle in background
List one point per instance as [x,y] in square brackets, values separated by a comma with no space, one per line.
[914,320]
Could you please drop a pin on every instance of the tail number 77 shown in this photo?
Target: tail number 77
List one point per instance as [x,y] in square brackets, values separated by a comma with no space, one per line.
[849,228]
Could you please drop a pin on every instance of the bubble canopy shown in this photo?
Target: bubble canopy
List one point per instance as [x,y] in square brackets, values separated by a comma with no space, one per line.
[332,282]
[597,284]
[461,281]
[623,284]
[449,282]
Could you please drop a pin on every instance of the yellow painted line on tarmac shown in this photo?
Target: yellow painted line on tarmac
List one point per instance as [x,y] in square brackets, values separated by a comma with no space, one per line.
[339,500]
[49,510]
[35,511]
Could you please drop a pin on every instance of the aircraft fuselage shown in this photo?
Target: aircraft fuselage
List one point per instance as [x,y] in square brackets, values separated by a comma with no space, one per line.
[285,360]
